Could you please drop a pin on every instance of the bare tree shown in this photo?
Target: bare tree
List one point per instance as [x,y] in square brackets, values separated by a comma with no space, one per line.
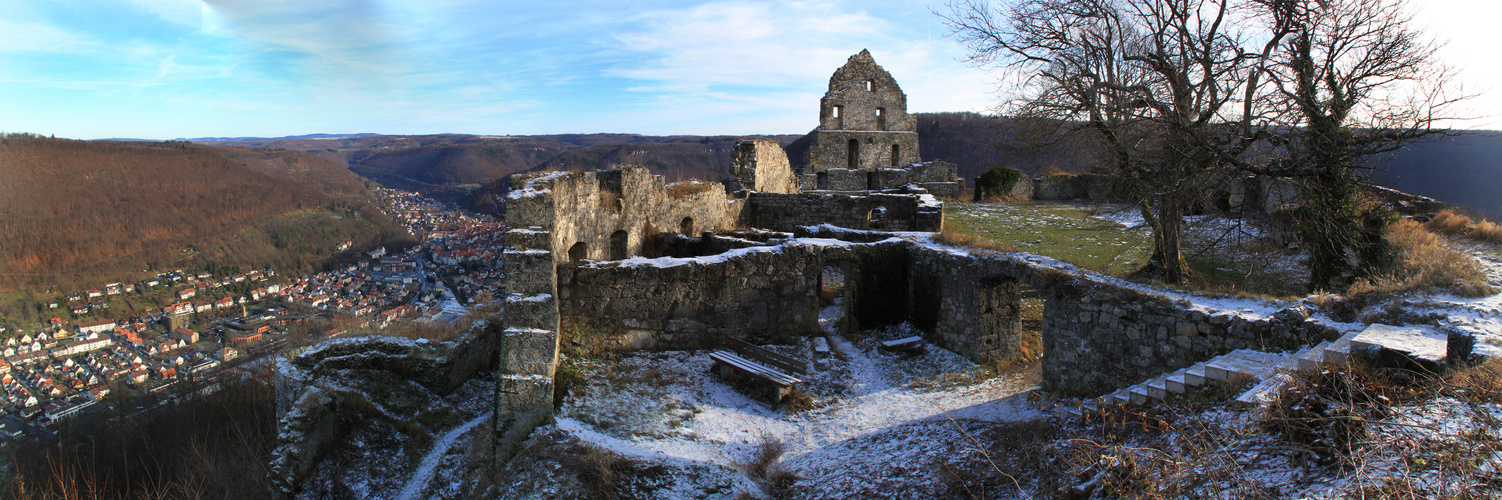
[1357,80]
[1164,83]
[1179,91]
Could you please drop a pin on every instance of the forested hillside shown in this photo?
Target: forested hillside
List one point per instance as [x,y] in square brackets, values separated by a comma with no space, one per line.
[1460,170]
[77,213]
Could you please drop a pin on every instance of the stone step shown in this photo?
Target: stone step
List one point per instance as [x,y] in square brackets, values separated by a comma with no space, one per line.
[1139,394]
[1158,388]
[1263,392]
[1177,382]
[1195,375]
[1314,360]
[821,346]
[1120,397]
[1339,352]
[1290,362]
[1255,364]
[1418,343]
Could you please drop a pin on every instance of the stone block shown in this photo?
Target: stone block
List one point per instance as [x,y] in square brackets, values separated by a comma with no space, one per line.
[528,351]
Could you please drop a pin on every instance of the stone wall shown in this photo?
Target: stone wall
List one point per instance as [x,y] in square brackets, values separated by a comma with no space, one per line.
[1099,338]
[864,112]
[610,214]
[936,177]
[831,149]
[765,294]
[761,165]
[967,304]
[786,212]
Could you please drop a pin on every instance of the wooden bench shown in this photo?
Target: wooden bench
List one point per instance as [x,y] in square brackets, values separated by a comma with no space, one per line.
[758,364]
[766,357]
[906,344]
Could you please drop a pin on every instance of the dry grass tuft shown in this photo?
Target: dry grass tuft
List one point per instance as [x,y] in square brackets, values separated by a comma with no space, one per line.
[949,236]
[1481,383]
[797,401]
[763,466]
[1426,262]
[1456,224]
[687,188]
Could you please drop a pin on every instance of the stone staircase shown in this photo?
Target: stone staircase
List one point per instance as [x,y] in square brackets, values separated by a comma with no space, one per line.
[1270,370]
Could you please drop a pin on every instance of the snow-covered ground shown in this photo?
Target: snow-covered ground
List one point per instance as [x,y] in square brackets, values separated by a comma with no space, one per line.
[874,412]
[1480,317]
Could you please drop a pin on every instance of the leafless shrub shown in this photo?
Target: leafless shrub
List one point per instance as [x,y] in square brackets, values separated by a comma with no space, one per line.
[764,468]
[1325,413]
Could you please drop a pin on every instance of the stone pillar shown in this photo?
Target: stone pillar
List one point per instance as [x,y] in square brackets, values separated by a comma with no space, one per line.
[529,343]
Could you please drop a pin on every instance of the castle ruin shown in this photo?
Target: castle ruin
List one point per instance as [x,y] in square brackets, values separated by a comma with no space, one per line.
[867,141]
[617,260]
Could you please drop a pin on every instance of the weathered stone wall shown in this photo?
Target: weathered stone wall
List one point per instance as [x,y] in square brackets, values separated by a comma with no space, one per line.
[831,149]
[786,212]
[1023,190]
[609,214]
[863,121]
[761,165]
[1098,337]
[1057,187]
[967,304]
[764,294]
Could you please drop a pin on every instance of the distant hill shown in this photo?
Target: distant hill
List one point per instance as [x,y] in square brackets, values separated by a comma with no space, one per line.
[471,169]
[80,213]
[1463,170]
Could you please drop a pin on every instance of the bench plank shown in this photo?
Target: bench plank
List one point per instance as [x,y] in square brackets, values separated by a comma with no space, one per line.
[766,357]
[755,369]
[913,343]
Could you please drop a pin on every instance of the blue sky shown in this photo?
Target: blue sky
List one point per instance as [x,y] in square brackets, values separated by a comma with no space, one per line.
[161,69]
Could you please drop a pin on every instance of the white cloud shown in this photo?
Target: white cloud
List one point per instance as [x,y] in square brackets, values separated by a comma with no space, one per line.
[766,64]
[184,12]
[37,37]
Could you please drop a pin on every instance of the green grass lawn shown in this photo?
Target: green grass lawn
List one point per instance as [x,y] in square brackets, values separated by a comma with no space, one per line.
[1069,233]
[1062,231]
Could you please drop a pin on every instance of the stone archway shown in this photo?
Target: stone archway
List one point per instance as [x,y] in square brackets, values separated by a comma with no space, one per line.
[578,252]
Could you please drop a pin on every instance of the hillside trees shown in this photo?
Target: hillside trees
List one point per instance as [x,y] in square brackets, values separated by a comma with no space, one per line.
[1178,91]
[77,213]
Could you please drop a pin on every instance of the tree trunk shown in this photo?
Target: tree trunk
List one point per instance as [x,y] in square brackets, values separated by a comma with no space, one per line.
[1167,261]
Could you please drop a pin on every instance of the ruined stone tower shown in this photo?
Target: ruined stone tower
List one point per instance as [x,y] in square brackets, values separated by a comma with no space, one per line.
[863,124]
[866,140]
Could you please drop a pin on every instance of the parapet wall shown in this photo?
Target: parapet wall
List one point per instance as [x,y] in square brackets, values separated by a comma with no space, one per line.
[610,214]
[937,177]
[899,212]
[768,294]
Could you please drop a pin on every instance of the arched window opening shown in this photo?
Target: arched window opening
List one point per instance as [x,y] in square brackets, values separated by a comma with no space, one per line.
[618,245]
[881,119]
[839,118]
[896,155]
[686,226]
[822,180]
[870,85]
[578,252]
[877,218]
